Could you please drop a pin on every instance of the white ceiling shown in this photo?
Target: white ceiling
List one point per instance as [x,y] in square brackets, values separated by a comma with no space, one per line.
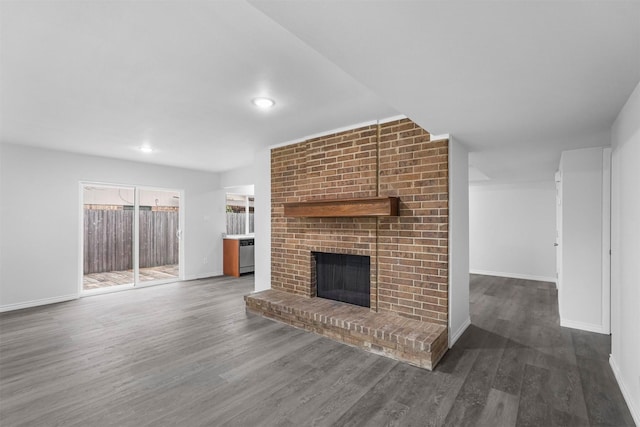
[104,77]
[516,82]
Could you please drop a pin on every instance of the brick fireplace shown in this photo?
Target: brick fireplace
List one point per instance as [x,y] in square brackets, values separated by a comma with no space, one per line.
[408,253]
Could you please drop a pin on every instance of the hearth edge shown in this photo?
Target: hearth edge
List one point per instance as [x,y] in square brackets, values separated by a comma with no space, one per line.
[417,343]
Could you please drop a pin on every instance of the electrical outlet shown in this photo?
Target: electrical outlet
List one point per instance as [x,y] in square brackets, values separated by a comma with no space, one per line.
[205,260]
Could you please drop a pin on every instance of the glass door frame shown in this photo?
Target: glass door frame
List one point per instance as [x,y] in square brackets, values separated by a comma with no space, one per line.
[136,271]
[136,238]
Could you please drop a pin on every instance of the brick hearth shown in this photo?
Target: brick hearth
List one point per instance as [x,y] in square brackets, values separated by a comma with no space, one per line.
[418,343]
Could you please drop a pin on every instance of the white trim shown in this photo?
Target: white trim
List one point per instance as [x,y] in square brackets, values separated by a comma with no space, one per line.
[454,337]
[127,287]
[136,236]
[392,119]
[558,176]
[107,290]
[80,247]
[606,240]
[558,242]
[37,302]
[635,410]
[338,130]
[514,275]
[589,327]
[182,221]
[434,138]
[458,241]
[158,282]
[246,215]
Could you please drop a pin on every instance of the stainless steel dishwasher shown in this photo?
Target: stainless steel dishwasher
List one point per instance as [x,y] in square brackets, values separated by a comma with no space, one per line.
[247,256]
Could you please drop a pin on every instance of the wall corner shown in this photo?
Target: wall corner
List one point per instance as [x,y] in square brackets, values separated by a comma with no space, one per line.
[459,318]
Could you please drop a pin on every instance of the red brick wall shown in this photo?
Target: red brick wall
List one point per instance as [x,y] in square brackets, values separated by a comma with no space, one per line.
[409,266]
[413,247]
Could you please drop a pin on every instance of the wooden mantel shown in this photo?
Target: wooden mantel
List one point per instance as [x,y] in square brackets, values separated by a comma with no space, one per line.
[361,207]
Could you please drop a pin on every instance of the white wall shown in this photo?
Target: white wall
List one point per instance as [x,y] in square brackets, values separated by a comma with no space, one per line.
[40,222]
[625,258]
[239,177]
[581,283]
[262,220]
[512,230]
[258,175]
[459,318]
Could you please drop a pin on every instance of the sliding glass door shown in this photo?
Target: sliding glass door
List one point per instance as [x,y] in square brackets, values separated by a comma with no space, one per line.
[159,235]
[131,236]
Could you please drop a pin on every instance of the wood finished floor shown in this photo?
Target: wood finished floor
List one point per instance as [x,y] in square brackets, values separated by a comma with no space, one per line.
[188,354]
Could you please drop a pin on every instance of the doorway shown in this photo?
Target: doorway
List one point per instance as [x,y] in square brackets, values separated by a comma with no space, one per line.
[131,236]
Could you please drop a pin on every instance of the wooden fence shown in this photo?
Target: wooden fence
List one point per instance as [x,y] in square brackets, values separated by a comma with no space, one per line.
[108,239]
[235,222]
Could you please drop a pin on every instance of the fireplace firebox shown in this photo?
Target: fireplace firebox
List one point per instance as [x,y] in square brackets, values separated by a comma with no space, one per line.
[343,277]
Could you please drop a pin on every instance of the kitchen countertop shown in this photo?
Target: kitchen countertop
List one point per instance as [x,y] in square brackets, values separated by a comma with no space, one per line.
[239,236]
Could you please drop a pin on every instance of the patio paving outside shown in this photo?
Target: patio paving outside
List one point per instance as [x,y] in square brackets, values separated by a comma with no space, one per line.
[116,278]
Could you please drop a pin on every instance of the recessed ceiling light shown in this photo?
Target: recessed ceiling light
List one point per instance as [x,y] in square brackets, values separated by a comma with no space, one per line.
[146,149]
[263,102]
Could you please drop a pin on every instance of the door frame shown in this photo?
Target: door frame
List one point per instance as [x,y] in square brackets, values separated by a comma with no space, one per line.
[606,240]
[180,277]
[136,238]
[558,242]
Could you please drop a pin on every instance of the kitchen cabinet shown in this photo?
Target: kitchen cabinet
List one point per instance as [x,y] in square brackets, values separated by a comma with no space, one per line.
[238,255]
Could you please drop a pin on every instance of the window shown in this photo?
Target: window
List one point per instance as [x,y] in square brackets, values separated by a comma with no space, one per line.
[240,213]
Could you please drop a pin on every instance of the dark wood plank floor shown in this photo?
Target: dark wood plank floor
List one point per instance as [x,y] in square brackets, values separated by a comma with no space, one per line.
[188,354]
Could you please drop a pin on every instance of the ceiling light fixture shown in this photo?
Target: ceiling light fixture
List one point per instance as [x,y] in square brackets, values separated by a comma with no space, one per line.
[146,149]
[263,103]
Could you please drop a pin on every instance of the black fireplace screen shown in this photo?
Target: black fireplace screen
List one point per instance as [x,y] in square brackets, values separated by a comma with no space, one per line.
[343,277]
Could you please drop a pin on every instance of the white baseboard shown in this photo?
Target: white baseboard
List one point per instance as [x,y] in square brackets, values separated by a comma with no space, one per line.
[454,337]
[633,406]
[38,302]
[589,327]
[514,275]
